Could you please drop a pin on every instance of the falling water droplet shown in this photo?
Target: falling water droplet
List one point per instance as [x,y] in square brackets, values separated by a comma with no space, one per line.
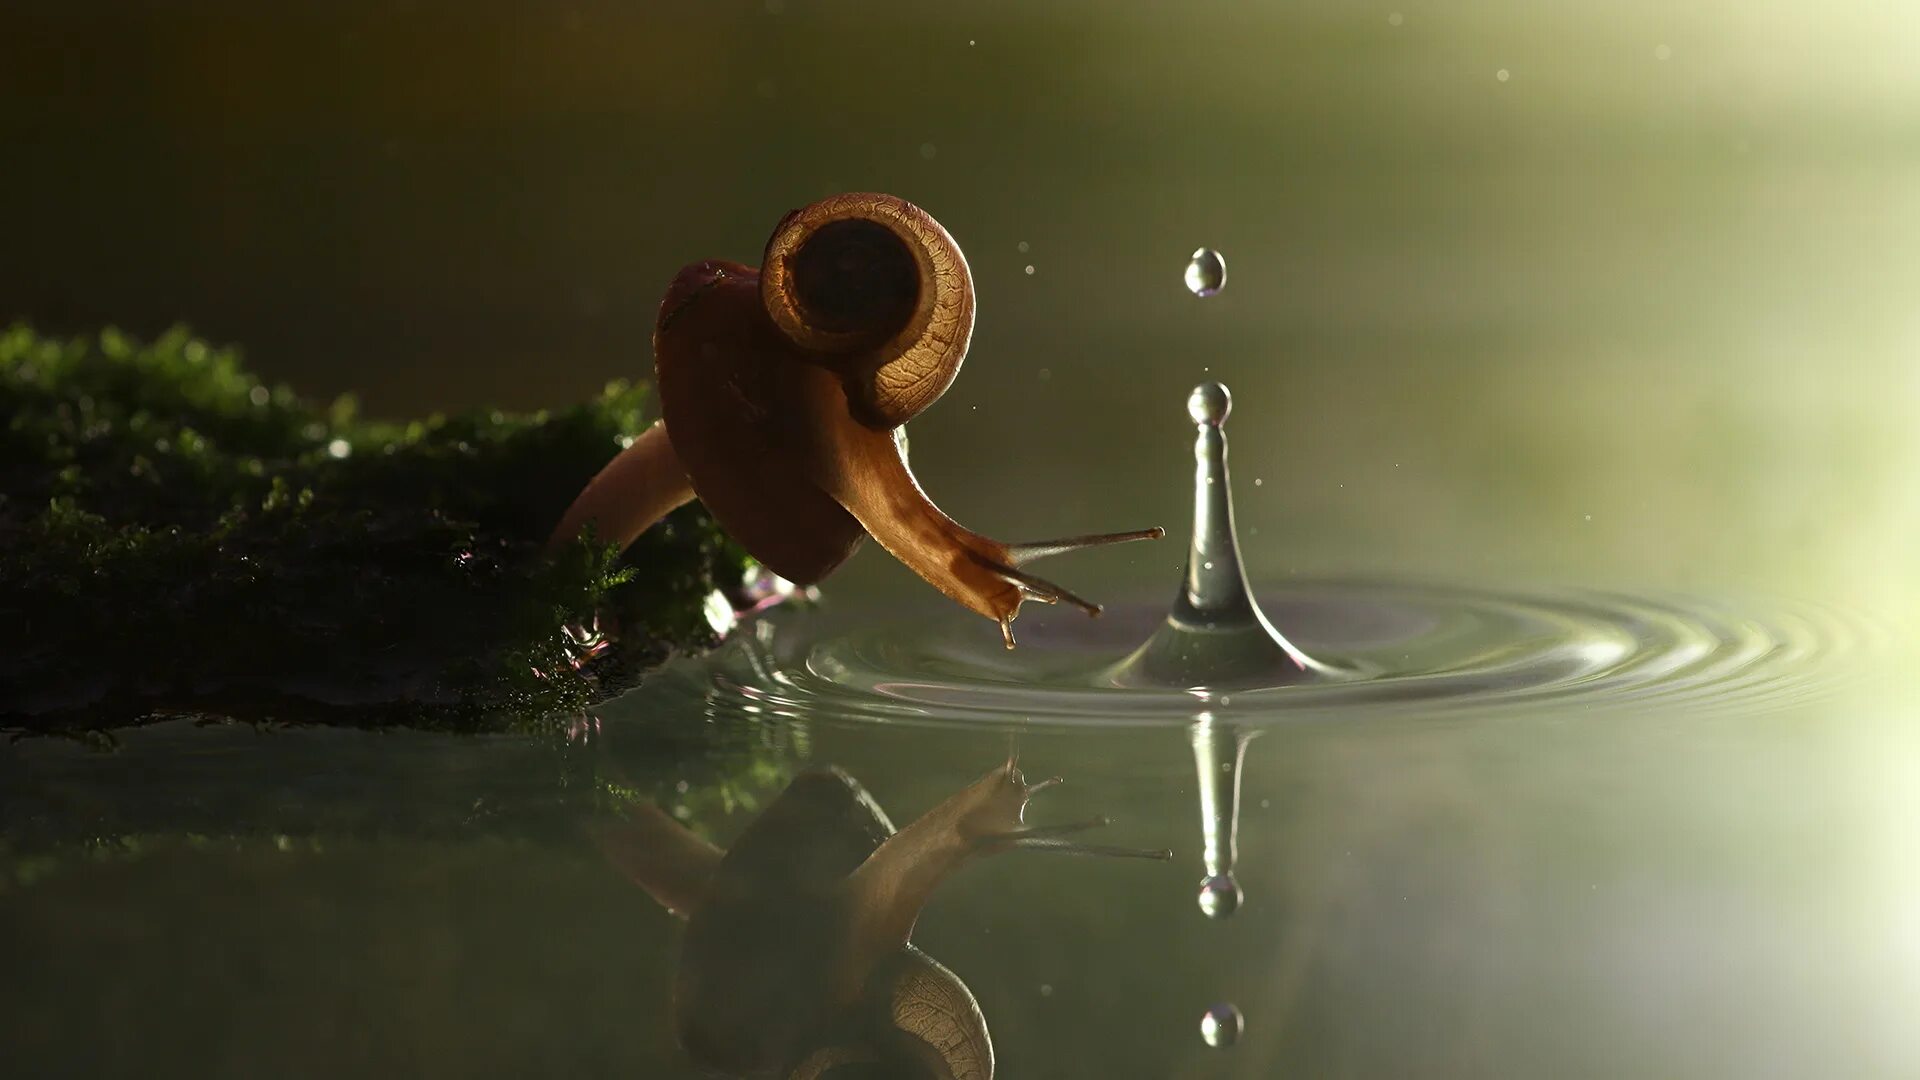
[1220,896]
[1206,272]
[1221,1025]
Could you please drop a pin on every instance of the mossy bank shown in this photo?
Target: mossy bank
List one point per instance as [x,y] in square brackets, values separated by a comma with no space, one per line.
[178,538]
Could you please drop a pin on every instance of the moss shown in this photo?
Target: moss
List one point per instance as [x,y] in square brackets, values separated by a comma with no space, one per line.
[178,538]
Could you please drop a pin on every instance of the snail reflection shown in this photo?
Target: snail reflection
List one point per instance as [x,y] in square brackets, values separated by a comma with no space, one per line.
[785,389]
[798,958]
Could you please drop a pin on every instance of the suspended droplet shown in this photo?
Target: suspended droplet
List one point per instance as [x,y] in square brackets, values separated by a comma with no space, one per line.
[1206,272]
[1210,403]
[1219,896]
[1221,1025]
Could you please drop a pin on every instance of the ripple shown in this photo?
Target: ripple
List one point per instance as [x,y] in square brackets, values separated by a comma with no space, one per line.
[1414,648]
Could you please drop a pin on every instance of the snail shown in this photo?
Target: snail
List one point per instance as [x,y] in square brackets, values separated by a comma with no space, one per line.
[785,390]
[798,960]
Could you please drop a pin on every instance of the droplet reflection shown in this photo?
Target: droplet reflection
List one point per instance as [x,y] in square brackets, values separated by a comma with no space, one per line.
[1219,749]
[1219,896]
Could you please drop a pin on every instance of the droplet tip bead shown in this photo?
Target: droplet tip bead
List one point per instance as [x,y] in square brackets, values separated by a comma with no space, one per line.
[1209,404]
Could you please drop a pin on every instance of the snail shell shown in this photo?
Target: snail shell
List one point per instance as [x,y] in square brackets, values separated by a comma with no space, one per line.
[876,291]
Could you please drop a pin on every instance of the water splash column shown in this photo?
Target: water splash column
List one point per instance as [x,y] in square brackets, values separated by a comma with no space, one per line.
[1215,635]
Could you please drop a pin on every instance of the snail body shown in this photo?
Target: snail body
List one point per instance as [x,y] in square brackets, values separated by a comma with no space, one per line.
[783,389]
[797,960]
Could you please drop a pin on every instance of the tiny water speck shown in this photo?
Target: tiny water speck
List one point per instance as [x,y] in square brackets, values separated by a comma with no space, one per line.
[1206,272]
[1257,481]
[1023,247]
[1029,269]
[1220,896]
[1503,75]
[259,395]
[1221,1025]
[1046,989]
[339,448]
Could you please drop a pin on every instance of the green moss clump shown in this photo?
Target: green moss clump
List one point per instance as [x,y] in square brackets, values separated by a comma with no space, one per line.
[178,538]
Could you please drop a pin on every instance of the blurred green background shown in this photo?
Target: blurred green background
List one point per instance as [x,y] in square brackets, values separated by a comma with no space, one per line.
[1640,310]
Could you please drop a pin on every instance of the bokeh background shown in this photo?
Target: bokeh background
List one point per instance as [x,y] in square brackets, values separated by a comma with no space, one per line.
[1593,292]
[1613,292]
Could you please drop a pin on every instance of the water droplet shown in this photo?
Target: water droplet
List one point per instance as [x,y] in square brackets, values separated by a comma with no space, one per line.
[339,448]
[1220,896]
[1257,481]
[1046,989]
[1502,75]
[1029,269]
[259,395]
[1221,1025]
[1023,247]
[1206,272]
[1206,566]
